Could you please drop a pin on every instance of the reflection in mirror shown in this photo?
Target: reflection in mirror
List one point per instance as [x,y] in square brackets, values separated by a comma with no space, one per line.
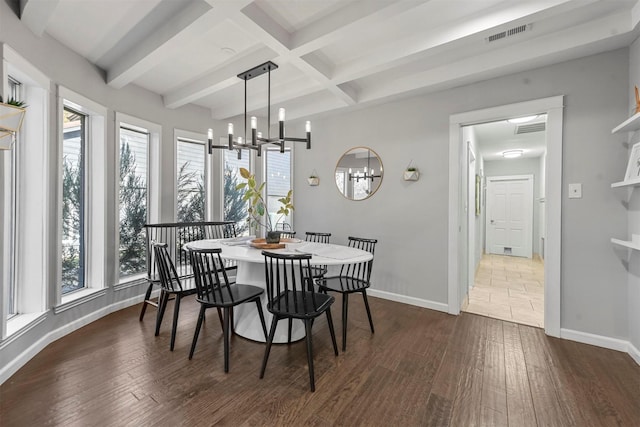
[359,173]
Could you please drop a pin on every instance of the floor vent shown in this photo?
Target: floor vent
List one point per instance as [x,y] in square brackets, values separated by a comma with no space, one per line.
[531,127]
[508,33]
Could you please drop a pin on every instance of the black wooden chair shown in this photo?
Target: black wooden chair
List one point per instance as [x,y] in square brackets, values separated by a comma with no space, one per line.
[215,291]
[288,297]
[317,271]
[353,278]
[176,235]
[171,285]
[289,234]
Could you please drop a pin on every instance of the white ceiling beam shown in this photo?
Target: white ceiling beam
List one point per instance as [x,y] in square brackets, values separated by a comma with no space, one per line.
[195,19]
[218,79]
[35,14]
[535,52]
[265,29]
[391,55]
[347,20]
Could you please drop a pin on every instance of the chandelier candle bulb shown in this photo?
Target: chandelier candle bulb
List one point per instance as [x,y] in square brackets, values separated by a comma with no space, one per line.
[230,132]
[281,127]
[210,134]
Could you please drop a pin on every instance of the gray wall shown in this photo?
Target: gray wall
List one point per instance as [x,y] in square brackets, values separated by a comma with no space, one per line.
[525,166]
[410,218]
[633,217]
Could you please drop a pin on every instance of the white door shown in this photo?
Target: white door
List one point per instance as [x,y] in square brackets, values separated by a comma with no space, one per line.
[509,217]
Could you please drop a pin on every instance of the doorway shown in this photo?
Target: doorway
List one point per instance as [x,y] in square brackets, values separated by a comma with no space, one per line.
[546,206]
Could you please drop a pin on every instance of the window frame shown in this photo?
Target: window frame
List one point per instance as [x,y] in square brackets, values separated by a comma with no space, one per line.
[95,194]
[265,167]
[209,185]
[26,251]
[153,187]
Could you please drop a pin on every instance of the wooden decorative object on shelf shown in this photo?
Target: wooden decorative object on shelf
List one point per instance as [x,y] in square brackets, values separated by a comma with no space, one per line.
[637,101]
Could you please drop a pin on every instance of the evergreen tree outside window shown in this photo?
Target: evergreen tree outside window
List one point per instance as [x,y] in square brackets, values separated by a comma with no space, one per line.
[73,201]
[235,209]
[134,149]
[191,181]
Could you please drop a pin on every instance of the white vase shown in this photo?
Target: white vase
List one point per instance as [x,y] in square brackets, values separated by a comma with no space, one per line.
[313,181]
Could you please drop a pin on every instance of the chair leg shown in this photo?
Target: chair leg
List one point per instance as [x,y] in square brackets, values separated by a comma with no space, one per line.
[366,304]
[290,328]
[267,349]
[197,332]
[162,305]
[332,331]
[345,309]
[261,313]
[225,334]
[307,330]
[147,295]
[176,310]
[220,317]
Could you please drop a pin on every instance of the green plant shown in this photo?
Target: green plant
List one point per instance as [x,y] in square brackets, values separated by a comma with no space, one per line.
[14,102]
[411,169]
[257,207]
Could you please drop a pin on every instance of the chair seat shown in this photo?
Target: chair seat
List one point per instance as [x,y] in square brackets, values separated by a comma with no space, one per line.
[188,287]
[342,284]
[299,307]
[239,294]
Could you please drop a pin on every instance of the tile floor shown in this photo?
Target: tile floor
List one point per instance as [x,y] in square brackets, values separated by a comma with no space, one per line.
[509,288]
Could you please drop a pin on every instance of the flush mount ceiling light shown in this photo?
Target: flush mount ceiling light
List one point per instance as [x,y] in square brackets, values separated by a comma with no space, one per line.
[512,154]
[257,141]
[524,119]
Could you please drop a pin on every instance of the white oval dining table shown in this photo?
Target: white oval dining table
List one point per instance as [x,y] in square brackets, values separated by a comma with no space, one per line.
[250,262]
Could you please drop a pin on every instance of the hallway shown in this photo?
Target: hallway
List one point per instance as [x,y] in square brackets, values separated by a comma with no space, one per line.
[509,288]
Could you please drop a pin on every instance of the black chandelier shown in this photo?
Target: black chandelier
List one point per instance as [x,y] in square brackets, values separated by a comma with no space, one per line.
[367,173]
[257,140]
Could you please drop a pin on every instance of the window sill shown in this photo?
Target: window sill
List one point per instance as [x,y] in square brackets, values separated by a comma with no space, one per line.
[23,322]
[130,282]
[77,298]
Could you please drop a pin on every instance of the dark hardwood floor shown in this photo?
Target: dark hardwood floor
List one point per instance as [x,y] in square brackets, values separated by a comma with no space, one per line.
[420,368]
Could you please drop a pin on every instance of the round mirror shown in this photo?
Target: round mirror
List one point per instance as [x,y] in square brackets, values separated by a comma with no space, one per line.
[359,173]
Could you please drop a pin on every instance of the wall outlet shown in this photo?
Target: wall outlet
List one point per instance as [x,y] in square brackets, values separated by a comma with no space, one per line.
[575,191]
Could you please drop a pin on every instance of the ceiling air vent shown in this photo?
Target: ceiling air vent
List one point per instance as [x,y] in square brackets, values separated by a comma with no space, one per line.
[508,33]
[531,127]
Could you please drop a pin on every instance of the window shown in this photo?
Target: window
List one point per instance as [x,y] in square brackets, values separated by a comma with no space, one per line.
[278,173]
[235,209]
[191,192]
[11,307]
[134,155]
[73,200]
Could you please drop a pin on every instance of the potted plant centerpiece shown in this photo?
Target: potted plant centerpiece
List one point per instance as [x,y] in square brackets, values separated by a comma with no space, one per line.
[257,207]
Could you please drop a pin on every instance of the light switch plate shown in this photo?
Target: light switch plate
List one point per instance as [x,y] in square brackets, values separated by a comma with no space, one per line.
[575,191]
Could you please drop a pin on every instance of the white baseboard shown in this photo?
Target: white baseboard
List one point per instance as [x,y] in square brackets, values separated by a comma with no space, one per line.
[409,300]
[634,353]
[47,339]
[602,341]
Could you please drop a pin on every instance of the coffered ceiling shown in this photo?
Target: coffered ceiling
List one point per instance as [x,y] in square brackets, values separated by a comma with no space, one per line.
[331,53]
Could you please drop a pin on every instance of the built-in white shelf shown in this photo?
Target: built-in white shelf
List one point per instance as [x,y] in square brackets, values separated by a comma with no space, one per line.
[629,183]
[626,244]
[629,125]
